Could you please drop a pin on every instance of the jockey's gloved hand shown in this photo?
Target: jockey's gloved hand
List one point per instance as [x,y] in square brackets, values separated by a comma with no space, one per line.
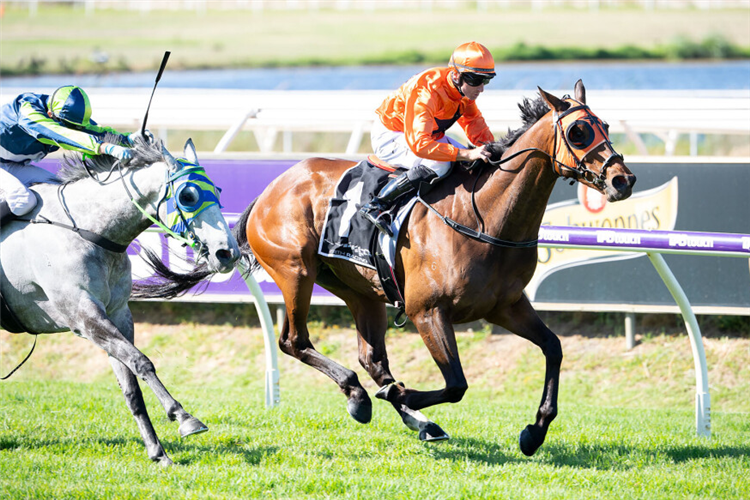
[146,137]
[119,152]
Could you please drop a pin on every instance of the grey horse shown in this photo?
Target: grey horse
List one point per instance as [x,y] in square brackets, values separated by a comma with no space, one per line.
[56,280]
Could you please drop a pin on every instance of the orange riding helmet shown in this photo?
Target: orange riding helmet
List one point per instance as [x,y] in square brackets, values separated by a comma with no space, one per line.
[473,57]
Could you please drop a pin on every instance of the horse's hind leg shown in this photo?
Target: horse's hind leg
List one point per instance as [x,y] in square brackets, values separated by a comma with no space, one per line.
[117,341]
[295,341]
[522,320]
[372,322]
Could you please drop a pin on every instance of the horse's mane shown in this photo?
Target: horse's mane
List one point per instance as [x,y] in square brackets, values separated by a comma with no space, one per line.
[74,167]
[531,112]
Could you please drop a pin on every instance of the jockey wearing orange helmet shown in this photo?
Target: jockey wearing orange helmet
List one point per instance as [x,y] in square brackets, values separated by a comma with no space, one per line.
[410,132]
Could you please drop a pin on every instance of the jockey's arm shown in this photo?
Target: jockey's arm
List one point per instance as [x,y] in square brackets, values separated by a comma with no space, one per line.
[474,126]
[48,131]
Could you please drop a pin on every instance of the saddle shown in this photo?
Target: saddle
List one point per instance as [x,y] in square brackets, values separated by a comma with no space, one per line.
[349,236]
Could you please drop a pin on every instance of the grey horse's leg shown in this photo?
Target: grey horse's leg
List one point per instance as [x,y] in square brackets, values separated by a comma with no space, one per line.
[371,321]
[523,320]
[134,399]
[133,395]
[102,332]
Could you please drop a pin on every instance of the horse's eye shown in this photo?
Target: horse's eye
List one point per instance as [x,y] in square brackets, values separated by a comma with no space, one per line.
[580,135]
[189,197]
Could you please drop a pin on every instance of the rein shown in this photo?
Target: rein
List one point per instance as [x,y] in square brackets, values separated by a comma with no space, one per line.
[475,234]
[108,244]
[580,171]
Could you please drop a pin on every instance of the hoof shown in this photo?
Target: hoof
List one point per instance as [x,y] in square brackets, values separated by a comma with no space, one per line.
[192,426]
[360,410]
[530,440]
[163,460]
[433,432]
[389,391]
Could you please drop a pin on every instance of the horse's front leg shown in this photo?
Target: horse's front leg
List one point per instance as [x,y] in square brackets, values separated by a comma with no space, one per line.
[94,324]
[372,322]
[438,335]
[523,320]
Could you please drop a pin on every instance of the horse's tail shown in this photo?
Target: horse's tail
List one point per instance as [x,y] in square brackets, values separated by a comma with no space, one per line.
[167,284]
[247,260]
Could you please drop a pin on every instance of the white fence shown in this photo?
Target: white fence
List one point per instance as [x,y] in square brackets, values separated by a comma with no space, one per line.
[270,114]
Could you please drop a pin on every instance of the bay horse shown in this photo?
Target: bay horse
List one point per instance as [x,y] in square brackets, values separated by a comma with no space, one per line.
[445,277]
[56,280]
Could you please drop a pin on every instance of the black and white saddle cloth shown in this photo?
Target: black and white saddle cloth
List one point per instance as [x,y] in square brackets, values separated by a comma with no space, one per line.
[348,235]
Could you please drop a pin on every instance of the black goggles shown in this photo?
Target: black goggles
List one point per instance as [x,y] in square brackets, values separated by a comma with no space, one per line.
[475,79]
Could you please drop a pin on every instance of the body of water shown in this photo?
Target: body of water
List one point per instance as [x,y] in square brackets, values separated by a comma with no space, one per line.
[722,75]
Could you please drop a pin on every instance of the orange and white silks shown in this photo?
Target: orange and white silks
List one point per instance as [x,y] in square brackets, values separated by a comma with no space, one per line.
[425,107]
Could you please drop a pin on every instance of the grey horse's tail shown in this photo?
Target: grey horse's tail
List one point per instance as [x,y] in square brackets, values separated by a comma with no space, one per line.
[167,284]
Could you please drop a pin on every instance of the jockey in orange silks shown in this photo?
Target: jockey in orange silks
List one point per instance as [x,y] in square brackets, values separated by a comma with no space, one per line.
[410,131]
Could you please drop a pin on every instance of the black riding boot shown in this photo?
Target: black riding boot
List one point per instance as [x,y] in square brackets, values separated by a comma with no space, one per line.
[377,210]
[5,214]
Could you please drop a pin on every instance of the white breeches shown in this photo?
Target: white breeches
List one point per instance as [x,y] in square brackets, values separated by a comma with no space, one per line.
[391,147]
[14,182]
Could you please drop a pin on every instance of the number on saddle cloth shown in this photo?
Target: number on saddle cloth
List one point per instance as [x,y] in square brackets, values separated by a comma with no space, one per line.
[348,236]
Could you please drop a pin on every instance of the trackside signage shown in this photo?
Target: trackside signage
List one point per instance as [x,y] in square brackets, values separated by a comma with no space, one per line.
[695,214]
[653,209]
[677,207]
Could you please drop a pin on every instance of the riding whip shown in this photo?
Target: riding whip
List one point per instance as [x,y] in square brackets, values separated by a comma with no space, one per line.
[158,77]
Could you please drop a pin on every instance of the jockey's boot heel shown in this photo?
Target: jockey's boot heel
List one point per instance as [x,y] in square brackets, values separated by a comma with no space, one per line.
[376,211]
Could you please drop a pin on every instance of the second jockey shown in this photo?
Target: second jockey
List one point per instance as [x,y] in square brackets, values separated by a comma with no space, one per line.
[34,125]
[410,132]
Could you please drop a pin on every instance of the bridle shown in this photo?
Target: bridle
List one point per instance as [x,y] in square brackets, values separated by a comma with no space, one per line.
[187,191]
[594,135]
[578,115]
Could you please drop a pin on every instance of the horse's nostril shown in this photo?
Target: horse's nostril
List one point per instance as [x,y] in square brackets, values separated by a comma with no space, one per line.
[620,183]
[223,255]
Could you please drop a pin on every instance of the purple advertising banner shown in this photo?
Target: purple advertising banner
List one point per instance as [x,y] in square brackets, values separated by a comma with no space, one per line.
[717,203]
[241,182]
[721,244]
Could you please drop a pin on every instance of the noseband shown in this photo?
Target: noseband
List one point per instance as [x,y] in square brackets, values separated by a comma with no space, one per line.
[578,119]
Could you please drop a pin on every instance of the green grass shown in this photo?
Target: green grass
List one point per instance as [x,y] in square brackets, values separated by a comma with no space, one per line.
[76,440]
[62,39]
[626,423]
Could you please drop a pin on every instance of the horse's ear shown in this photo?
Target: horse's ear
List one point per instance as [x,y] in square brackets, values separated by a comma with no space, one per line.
[173,165]
[580,92]
[190,154]
[553,102]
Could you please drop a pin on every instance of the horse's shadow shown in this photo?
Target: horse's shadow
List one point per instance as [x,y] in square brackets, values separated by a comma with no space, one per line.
[618,456]
[481,451]
[599,456]
[183,453]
